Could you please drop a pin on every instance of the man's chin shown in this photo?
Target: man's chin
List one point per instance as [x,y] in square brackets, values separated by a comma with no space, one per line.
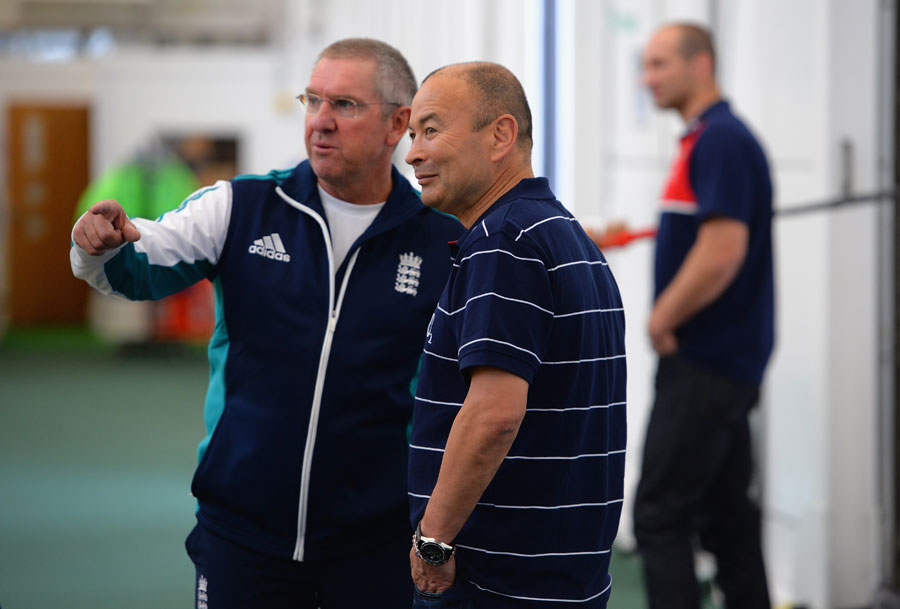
[325,169]
[429,199]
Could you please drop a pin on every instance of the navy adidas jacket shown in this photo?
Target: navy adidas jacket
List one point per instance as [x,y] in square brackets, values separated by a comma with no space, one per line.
[310,365]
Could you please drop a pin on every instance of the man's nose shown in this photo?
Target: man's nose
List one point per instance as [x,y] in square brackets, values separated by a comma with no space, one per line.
[414,156]
[324,119]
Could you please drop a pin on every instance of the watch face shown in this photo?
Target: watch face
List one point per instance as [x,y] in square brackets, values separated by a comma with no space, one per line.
[432,553]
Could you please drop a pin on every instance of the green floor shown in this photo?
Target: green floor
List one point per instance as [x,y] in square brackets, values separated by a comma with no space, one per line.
[97,449]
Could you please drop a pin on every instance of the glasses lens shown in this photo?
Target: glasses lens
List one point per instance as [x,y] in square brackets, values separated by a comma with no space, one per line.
[312,103]
[346,108]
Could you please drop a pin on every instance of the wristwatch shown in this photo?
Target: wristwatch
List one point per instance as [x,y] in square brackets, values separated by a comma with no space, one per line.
[431,550]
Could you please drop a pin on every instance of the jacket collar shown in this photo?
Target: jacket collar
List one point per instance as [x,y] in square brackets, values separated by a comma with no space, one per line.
[402,202]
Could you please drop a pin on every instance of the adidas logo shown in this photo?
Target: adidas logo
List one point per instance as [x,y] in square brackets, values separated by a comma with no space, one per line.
[270,247]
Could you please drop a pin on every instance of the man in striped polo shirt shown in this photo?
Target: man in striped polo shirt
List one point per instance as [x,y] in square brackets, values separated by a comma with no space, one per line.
[518,436]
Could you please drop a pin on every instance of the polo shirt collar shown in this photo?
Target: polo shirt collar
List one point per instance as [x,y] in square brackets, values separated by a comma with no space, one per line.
[528,188]
[698,121]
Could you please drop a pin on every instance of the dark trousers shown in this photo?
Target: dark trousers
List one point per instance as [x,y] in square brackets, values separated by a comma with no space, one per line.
[230,576]
[694,483]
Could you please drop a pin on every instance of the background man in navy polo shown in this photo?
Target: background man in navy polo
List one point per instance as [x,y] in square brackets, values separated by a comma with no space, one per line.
[518,442]
[325,278]
[712,326]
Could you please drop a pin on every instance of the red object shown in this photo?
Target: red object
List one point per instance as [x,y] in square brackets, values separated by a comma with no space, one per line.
[187,316]
[624,237]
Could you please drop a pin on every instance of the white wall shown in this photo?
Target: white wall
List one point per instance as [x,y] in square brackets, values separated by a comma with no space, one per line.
[852,453]
[136,94]
[810,87]
[853,261]
[141,93]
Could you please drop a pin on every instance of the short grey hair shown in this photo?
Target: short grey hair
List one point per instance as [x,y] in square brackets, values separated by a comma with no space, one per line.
[394,79]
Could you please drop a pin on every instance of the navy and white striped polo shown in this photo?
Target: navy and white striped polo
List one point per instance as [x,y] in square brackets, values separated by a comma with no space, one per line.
[530,294]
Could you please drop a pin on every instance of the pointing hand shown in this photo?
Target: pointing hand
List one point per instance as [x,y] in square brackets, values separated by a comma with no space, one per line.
[106,226]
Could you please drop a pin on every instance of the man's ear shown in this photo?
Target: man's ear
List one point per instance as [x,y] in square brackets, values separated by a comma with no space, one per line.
[703,67]
[504,135]
[399,124]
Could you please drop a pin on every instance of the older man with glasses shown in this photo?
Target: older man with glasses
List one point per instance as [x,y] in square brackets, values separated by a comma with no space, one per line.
[325,278]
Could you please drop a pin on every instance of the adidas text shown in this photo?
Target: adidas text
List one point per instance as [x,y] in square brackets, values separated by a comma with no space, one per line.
[270,247]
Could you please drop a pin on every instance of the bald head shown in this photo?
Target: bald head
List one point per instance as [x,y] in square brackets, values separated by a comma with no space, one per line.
[679,68]
[497,92]
[470,131]
[689,39]
[695,39]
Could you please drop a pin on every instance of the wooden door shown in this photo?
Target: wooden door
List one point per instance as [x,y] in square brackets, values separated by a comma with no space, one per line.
[47,168]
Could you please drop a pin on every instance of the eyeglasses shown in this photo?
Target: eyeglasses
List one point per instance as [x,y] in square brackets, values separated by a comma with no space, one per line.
[343,107]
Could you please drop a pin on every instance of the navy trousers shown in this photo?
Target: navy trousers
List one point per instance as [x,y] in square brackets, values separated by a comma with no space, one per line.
[230,576]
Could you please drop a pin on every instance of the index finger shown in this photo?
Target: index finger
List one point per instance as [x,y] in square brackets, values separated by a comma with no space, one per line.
[109,208]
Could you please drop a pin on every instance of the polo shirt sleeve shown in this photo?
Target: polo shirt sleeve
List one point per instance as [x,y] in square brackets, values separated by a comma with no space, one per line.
[502,306]
[721,174]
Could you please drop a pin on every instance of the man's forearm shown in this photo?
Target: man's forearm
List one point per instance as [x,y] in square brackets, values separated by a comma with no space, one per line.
[697,285]
[707,271]
[479,440]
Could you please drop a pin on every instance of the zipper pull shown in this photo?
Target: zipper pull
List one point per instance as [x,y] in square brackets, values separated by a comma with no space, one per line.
[332,321]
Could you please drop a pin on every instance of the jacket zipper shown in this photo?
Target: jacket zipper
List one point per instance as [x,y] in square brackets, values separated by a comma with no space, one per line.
[334,310]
